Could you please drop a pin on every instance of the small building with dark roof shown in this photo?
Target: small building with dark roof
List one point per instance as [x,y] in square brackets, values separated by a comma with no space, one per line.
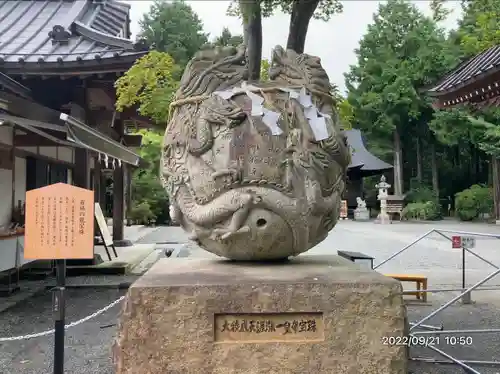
[363,164]
[59,61]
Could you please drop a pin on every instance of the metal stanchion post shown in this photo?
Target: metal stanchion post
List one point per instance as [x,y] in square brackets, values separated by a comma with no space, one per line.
[59,309]
[466,299]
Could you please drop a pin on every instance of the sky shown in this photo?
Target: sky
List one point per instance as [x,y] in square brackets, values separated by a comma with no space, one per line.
[334,41]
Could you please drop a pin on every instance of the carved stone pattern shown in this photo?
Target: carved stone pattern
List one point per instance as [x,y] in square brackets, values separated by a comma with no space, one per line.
[241,192]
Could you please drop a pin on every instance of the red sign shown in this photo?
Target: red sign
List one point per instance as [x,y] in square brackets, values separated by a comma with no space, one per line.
[343,209]
[456,242]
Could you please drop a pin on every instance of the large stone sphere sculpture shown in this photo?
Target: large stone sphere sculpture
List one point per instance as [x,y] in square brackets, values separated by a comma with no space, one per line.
[254,171]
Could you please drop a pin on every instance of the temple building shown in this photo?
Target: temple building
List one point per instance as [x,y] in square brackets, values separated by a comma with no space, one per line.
[363,164]
[58,63]
[474,83]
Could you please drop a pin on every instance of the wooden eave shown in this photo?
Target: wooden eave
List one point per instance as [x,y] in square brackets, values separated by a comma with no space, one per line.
[116,64]
[473,81]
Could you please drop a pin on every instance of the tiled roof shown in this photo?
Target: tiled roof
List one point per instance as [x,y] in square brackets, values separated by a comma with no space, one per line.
[361,159]
[64,31]
[476,67]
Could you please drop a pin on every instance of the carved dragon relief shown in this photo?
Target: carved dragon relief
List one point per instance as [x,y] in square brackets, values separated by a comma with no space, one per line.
[242,189]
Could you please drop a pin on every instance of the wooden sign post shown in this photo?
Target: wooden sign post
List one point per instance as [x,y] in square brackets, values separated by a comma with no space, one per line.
[59,226]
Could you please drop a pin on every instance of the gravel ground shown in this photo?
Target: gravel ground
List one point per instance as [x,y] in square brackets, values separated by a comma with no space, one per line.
[483,314]
[88,345]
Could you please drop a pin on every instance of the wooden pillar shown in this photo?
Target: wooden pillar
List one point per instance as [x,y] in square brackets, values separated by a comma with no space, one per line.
[495,166]
[118,193]
[81,172]
[128,189]
[102,191]
[97,188]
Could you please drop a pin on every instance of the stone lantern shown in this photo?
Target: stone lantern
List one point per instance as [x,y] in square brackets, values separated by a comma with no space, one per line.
[383,187]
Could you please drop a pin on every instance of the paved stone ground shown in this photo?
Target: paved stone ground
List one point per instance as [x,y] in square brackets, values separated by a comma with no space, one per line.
[88,345]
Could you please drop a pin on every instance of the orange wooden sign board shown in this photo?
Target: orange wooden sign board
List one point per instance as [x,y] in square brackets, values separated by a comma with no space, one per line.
[59,223]
[343,209]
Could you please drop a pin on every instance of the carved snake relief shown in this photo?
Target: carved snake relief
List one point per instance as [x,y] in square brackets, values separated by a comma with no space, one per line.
[214,111]
[243,200]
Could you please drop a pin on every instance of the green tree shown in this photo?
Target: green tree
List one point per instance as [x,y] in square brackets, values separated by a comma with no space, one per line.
[264,70]
[226,38]
[301,12]
[402,51]
[480,27]
[147,191]
[149,84]
[173,27]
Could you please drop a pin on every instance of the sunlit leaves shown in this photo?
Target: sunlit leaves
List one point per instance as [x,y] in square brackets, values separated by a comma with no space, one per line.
[149,84]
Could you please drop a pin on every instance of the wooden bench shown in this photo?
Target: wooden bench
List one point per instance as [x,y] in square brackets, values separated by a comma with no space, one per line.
[395,205]
[420,280]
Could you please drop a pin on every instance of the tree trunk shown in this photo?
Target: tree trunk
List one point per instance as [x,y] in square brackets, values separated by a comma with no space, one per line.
[495,166]
[302,12]
[252,36]
[434,170]
[398,164]
[419,161]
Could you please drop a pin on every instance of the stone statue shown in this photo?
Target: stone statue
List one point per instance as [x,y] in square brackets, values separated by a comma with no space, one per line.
[361,212]
[361,203]
[254,171]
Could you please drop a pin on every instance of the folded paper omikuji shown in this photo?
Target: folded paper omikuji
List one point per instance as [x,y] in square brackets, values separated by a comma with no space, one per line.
[254,171]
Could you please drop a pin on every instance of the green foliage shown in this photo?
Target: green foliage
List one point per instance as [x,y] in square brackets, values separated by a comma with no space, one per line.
[480,27]
[264,70]
[173,27]
[150,84]
[474,201]
[421,194]
[226,39]
[141,214]
[146,186]
[439,10]
[402,51]
[344,109]
[325,10]
[429,210]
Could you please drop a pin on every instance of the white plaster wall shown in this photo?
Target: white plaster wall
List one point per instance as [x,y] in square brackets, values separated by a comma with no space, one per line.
[6,134]
[65,154]
[6,193]
[70,176]
[48,152]
[92,162]
[20,180]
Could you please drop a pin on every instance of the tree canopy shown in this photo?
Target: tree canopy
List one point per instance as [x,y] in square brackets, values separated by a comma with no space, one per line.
[401,52]
[149,84]
[173,27]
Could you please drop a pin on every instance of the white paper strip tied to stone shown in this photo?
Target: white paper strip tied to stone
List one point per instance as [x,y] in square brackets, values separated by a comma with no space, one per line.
[305,99]
[257,101]
[271,119]
[226,95]
[317,122]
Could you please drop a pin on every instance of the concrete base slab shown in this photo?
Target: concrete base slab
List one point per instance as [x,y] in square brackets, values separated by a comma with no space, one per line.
[312,314]
[128,258]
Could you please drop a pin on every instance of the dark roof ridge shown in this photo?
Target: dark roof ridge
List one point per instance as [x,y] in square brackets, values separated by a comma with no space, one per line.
[100,37]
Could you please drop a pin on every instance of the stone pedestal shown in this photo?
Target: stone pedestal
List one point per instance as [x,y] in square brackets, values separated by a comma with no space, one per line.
[314,314]
[361,214]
